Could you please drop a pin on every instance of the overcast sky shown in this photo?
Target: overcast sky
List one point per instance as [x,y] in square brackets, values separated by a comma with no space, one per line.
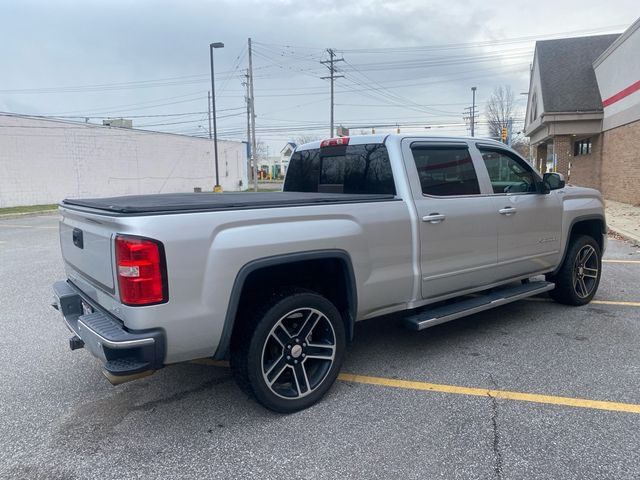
[407,62]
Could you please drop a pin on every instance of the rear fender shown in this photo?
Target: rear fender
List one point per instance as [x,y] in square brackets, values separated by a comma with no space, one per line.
[277,260]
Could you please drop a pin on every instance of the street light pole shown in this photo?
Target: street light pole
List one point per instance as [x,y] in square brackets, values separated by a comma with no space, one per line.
[217,187]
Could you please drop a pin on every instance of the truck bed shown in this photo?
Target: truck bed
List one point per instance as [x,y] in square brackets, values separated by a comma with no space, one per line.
[165,203]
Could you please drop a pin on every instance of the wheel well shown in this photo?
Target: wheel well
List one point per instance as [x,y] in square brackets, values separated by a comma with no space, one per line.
[593,228]
[330,277]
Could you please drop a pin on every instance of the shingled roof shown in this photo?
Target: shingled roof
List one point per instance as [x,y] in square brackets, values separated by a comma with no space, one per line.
[568,80]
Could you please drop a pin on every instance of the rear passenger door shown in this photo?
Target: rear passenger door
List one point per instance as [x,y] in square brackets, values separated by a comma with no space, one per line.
[457,222]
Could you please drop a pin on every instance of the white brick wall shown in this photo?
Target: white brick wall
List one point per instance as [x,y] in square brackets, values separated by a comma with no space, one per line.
[44,161]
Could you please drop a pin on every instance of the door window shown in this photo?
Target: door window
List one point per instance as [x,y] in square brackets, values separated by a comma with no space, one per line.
[507,173]
[445,171]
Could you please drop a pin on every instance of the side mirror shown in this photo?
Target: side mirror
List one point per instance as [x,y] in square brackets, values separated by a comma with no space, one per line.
[553,181]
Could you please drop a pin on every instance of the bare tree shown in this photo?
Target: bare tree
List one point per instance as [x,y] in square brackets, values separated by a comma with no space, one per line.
[499,110]
[262,150]
[521,145]
[305,138]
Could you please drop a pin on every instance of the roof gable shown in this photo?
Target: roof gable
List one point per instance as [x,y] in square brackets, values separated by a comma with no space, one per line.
[291,146]
[567,79]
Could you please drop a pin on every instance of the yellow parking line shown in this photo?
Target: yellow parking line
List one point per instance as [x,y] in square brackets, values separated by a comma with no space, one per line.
[596,302]
[620,261]
[483,392]
[612,302]
[478,392]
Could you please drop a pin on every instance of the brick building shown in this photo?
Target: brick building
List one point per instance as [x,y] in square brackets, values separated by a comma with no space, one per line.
[583,111]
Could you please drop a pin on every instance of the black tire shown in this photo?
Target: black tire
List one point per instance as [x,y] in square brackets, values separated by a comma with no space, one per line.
[579,276]
[283,367]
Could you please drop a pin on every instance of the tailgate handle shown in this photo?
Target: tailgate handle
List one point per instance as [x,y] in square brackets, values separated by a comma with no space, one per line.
[78,241]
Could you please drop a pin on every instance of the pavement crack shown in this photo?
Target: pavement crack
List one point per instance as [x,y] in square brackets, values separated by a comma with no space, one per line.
[497,455]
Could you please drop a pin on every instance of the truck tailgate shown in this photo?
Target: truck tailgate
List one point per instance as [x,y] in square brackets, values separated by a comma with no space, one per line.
[87,248]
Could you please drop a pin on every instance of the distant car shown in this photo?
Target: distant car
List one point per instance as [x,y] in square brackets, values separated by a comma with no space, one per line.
[365,226]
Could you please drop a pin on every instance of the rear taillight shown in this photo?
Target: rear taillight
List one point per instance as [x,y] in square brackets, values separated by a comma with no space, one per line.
[332,142]
[141,270]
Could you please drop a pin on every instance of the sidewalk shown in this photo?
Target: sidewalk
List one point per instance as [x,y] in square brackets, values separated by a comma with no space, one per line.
[623,219]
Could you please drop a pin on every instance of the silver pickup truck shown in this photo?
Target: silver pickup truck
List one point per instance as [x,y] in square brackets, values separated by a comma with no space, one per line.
[437,228]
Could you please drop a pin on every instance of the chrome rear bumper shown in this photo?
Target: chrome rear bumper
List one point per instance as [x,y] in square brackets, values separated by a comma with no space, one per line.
[123,352]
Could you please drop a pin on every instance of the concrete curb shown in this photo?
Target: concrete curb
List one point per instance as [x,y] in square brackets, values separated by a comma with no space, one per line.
[7,216]
[626,235]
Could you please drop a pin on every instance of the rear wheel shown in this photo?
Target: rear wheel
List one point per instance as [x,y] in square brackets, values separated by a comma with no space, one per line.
[579,276]
[289,352]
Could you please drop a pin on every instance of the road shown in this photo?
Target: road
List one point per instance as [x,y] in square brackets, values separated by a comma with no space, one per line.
[530,390]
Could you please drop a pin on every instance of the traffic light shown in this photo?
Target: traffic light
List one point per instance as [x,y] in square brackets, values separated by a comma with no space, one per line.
[504,134]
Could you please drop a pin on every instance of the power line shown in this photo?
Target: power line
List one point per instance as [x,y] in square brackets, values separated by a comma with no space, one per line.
[505,41]
[188,121]
[182,114]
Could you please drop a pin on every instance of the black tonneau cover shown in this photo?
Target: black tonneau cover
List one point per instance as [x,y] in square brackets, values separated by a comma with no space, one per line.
[196,202]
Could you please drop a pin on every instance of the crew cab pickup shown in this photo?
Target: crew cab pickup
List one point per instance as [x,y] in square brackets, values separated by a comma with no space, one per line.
[366,226]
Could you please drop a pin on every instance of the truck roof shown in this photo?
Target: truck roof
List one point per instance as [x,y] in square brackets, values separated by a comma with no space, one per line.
[382,138]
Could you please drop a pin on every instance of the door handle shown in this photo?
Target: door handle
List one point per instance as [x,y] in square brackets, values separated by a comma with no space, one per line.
[507,211]
[433,218]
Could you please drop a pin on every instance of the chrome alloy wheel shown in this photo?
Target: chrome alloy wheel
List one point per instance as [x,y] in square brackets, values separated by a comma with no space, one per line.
[298,353]
[585,271]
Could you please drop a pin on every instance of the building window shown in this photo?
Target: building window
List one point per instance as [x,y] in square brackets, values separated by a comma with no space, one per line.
[582,147]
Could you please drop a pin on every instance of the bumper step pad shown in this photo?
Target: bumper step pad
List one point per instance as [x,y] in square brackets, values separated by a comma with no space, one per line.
[125,366]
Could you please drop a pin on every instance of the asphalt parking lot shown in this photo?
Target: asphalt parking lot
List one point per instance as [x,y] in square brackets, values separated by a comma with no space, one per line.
[529,390]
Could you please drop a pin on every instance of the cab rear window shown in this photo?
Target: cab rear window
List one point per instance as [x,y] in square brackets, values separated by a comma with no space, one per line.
[363,169]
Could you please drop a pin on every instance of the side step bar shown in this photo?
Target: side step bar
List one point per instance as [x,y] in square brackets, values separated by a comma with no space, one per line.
[470,305]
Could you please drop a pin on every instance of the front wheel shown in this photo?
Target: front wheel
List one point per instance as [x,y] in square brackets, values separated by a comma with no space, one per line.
[288,353]
[579,276]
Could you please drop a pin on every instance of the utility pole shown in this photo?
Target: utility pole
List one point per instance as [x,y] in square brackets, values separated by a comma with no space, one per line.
[249,149]
[253,124]
[332,76]
[209,111]
[473,111]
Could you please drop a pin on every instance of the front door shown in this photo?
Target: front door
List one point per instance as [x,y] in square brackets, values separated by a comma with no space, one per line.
[458,238]
[529,222]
